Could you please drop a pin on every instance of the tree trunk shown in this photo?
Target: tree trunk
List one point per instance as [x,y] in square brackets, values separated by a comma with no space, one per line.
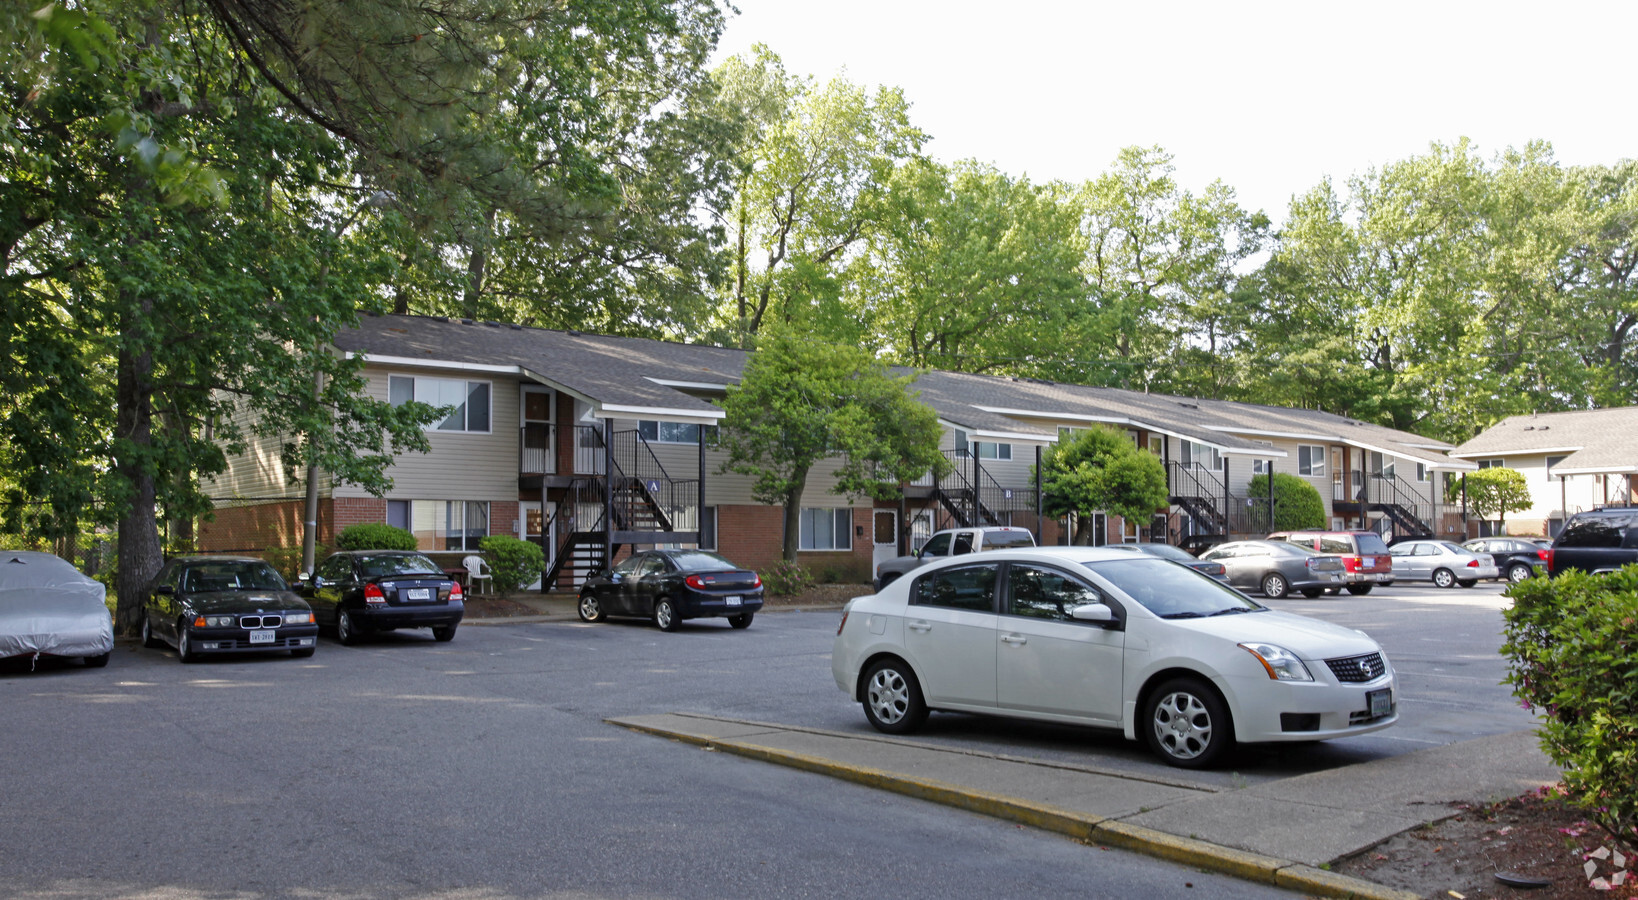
[1083,531]
[140,555]
[793,514]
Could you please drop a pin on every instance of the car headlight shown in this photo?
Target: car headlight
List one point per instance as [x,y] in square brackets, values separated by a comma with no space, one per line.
[1282,664]
[305,618]
[217,621]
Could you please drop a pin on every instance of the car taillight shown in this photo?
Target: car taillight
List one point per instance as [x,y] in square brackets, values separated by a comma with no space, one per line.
[842,624]
[1547,557]
[1472,564]
[455,592]
[756,580]
[372,594]
[695,582]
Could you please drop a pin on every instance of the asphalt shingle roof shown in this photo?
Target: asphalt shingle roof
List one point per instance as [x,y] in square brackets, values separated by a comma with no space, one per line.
[1597,440]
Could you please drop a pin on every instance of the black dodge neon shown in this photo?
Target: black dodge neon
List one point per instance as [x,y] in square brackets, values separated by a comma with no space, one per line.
[671,585]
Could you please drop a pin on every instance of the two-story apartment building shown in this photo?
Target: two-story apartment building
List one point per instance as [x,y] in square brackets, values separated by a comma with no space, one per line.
[1571,461]
[591,444]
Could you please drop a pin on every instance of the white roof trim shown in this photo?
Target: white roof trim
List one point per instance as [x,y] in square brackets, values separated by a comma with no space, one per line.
[1486,454]
[691,385]
[684,416]
[1601,470]
[436,364]
[1134,423]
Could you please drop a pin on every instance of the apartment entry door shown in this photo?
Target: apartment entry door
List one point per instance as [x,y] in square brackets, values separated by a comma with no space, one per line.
[533,521]
[884,530]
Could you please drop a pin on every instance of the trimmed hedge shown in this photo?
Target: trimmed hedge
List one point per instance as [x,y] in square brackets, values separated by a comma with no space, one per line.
[1572,642]
[374,536]
[513,563]
[1297,504]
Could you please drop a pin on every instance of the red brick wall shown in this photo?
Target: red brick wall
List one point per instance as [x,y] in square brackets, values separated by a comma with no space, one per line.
[258,528]
[353,511]
[502,515]
[751,536]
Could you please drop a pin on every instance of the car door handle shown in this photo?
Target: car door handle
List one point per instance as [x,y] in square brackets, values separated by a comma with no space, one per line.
[1014,639]
[919,625]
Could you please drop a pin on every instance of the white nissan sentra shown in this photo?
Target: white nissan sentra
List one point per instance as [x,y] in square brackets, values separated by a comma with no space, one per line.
[1100,637]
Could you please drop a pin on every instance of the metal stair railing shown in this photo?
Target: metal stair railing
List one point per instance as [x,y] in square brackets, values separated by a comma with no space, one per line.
[1411,514]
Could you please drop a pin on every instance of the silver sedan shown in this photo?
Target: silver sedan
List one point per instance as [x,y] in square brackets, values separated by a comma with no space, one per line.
[1444,563]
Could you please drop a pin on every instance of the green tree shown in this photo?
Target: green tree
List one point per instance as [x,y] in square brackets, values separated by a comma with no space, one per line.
[1297,504]
[1492,493]
[969,269]
[810,177]
[1101,470]
[802,401]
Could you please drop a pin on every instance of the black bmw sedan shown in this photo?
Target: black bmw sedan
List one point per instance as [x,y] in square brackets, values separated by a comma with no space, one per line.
[359,592]
[224,604]
[671,585]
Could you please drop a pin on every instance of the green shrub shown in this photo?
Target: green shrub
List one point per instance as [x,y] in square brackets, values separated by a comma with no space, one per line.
[1572,646]
[513,563]
[786,579]
[374,536]
[1297,504]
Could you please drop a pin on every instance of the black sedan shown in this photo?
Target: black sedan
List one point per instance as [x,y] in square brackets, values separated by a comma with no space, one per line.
[359,592]
[1178,555]
[1516,558]
[224,604]
[671,585]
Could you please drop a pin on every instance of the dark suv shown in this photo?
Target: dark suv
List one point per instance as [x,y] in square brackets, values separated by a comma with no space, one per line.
[1599,541]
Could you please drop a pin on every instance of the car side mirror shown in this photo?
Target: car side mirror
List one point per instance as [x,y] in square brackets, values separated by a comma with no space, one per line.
[1094,613]
[318,581]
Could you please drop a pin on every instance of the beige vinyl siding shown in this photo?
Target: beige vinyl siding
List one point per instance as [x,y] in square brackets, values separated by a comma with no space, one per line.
[460,466]
[258,473]
[1553,496]
[681,462]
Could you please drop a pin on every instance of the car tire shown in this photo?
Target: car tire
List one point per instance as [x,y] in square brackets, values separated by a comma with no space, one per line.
[303,652]
[346,631]
[443,634]
[1188,725]
[184,645]
[892,698]
[1360,590]
[1444,578]
[1275,585]
[1467,582]
[1518,572]
[589,608]
[148,639]
[1385,583]
[743,620]
[1311,593]
[665,614]
[96,662]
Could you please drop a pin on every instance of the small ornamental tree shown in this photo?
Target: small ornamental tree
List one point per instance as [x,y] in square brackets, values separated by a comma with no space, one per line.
[1572,646]
[1297,504]
[1492,493]
[1101,470]
[374,536]
[513,563]
[802,401]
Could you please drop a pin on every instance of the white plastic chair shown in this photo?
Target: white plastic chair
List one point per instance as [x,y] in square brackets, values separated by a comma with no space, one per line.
[477,572]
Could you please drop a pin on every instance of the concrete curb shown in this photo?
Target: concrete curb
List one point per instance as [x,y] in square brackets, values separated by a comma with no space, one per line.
[1080,826]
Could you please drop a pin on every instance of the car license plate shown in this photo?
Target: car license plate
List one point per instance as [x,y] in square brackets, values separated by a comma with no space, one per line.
[733,601]
[419,593]
[261,637]
[1381,702]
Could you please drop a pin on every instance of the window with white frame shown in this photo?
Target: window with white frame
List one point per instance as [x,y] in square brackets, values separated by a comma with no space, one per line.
[468,400]
[990,450]
[1201,455]
[1310,460]
[1551,462]
[447,524]
[656,432]
[1492,463]
[1261,466]
[826,529]
[1423,473]
[1157,444]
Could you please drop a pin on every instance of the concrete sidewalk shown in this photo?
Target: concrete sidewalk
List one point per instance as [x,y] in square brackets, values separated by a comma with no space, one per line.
[1278,832]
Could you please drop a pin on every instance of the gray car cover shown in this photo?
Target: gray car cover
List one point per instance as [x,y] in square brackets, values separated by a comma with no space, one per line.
[47,606]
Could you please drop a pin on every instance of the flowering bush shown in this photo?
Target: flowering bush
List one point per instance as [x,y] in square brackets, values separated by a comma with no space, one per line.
[787,578]
[1572,642]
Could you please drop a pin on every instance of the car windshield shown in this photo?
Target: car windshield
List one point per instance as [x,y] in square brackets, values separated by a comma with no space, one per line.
[701,561]
[1167,551]
[1171,591]
[232,576]
[398,564]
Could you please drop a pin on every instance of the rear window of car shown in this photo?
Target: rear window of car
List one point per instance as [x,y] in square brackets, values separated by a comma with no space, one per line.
[700,561]
[1370,543]
[995,540]
[403,564]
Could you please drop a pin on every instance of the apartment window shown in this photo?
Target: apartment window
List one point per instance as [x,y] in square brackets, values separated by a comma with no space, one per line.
[1311,460]
[1198,454]
[449,524]
[468,400]
[826,529]
[1157,444]
[398,514]
[1551,462]
[1423,473]
[670,432]
[1261,466]
[989,450]
[1496,463]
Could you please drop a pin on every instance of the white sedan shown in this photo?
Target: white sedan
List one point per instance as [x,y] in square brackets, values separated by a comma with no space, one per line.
[1099,637]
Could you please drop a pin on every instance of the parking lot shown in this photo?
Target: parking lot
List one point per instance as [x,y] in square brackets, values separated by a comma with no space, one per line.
[405,767]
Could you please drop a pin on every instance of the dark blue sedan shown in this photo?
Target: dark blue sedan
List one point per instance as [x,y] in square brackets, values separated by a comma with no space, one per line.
[668,586]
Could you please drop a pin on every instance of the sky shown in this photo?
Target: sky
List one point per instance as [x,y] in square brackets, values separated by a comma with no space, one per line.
[1268,97]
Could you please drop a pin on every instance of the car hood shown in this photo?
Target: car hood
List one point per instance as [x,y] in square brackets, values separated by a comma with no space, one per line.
[245,601]
[1308,638]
